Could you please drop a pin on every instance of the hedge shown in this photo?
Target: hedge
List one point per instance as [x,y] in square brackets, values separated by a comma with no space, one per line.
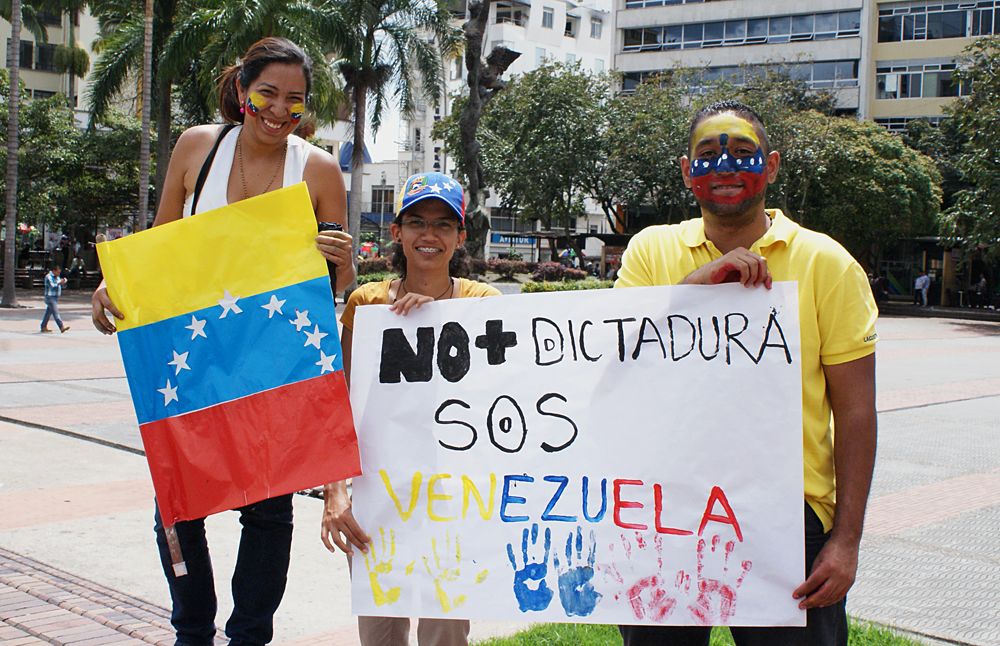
[568,286]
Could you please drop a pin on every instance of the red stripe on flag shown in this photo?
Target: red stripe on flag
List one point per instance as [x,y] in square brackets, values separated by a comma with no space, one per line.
[206,461]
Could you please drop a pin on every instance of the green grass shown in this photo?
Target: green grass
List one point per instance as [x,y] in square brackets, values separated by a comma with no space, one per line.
[862,634]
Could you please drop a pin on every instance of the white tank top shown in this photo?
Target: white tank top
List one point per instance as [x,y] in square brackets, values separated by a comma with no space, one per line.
[213,193]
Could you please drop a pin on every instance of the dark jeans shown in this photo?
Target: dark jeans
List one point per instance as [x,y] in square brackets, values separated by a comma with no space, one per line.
[258,581]
[824,626]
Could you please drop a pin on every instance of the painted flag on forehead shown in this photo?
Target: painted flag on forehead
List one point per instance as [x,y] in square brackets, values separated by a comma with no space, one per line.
[232,355]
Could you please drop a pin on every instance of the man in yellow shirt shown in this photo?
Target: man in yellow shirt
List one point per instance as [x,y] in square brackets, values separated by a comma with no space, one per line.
[737,240]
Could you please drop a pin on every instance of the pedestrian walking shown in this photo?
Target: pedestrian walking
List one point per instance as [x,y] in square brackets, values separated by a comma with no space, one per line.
[53,288]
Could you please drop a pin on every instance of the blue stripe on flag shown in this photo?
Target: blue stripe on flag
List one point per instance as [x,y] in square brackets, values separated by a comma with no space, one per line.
[219,354]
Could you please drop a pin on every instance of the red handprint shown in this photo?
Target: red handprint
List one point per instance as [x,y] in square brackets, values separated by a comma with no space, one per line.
[716,601]
[647,595]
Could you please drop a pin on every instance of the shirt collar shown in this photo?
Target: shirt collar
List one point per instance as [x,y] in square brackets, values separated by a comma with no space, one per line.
[781,230]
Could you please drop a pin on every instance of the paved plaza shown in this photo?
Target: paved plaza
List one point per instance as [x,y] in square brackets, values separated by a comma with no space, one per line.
[77,558]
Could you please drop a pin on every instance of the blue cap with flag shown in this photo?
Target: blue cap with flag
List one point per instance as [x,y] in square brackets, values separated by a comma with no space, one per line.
[423,186]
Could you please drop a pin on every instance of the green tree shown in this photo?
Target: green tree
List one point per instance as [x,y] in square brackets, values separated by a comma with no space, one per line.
[121,46]
[382,46]
[29,18]
[540,138]
[104,188]
[973,218]
[48,145]
[868,188]
[71,59]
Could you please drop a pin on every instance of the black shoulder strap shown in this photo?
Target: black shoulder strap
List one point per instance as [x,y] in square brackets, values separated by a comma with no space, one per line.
[203,175]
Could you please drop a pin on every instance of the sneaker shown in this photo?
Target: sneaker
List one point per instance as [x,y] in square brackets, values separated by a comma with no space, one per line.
[64,328]
[45,329]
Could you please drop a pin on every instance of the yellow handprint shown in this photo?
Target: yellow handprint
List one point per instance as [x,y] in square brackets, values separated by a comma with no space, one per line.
[383,565]
[446,573]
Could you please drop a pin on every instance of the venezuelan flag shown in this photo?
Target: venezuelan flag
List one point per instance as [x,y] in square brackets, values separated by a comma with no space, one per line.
[232,355]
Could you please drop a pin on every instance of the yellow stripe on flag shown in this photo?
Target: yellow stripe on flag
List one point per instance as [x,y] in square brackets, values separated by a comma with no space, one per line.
[249,247]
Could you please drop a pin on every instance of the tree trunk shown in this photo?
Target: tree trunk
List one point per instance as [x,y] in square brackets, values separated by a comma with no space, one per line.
[357,175]
[163,124]
[147,73]
[477,224]
[13,102]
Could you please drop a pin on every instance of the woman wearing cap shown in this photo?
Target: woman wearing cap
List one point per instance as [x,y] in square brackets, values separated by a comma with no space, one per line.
[429,230]
[263,99]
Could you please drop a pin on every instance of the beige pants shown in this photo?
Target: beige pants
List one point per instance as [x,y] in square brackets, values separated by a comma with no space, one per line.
[395,631]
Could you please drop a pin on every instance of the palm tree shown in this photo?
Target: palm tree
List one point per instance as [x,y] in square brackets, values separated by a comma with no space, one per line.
[147,104]
[70,59]
[121,45]
[221,31]
[14,98]
[381,43]
[29,18]
[18,16]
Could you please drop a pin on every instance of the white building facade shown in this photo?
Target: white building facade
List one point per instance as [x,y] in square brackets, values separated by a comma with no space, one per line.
[542,31]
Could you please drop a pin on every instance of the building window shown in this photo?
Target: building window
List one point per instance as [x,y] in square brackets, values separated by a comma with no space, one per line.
[27,54]
[43,94]
[570,58]
[547,15]
[903,80]
[825,74]
[571,27]
[49,18]
[45,57]
[595,27]
[598,65]
[755,31]
[539,56]
[898,124]
[382,200]
[506,221]
[507,13]
[903,22]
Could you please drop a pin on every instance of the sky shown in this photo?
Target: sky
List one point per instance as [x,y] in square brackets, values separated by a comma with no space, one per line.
[384,147]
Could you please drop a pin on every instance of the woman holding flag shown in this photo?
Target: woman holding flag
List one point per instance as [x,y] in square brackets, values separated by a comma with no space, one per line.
[429,230]
[263,99]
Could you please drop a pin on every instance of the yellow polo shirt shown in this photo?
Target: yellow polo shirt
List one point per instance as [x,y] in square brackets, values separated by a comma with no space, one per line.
[836,316]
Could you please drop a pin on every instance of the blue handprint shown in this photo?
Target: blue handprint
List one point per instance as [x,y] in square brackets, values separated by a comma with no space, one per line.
[539,598]
[576,591]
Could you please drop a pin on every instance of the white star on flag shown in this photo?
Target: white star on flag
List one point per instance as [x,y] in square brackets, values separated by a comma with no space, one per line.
[169,394]
[228,302]
[273,306]
[325,363]
[313,338]
[436,188]
[180,360]
[302,320]
[197,327]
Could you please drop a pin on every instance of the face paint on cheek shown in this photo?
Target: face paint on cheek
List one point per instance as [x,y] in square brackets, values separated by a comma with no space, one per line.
[296,111]
[254,103]
[747,172]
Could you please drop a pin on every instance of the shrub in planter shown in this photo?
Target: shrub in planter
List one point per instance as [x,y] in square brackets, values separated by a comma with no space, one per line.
[373,266]
[479,266]
[375,277]
[530,267]
[548,272]
[574,274]
[568,286]
[506,268]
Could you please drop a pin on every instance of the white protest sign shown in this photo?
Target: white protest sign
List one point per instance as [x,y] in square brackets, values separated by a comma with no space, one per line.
[613,456]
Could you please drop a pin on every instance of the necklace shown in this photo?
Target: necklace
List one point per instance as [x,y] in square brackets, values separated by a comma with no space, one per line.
[447,289]
[239,153]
